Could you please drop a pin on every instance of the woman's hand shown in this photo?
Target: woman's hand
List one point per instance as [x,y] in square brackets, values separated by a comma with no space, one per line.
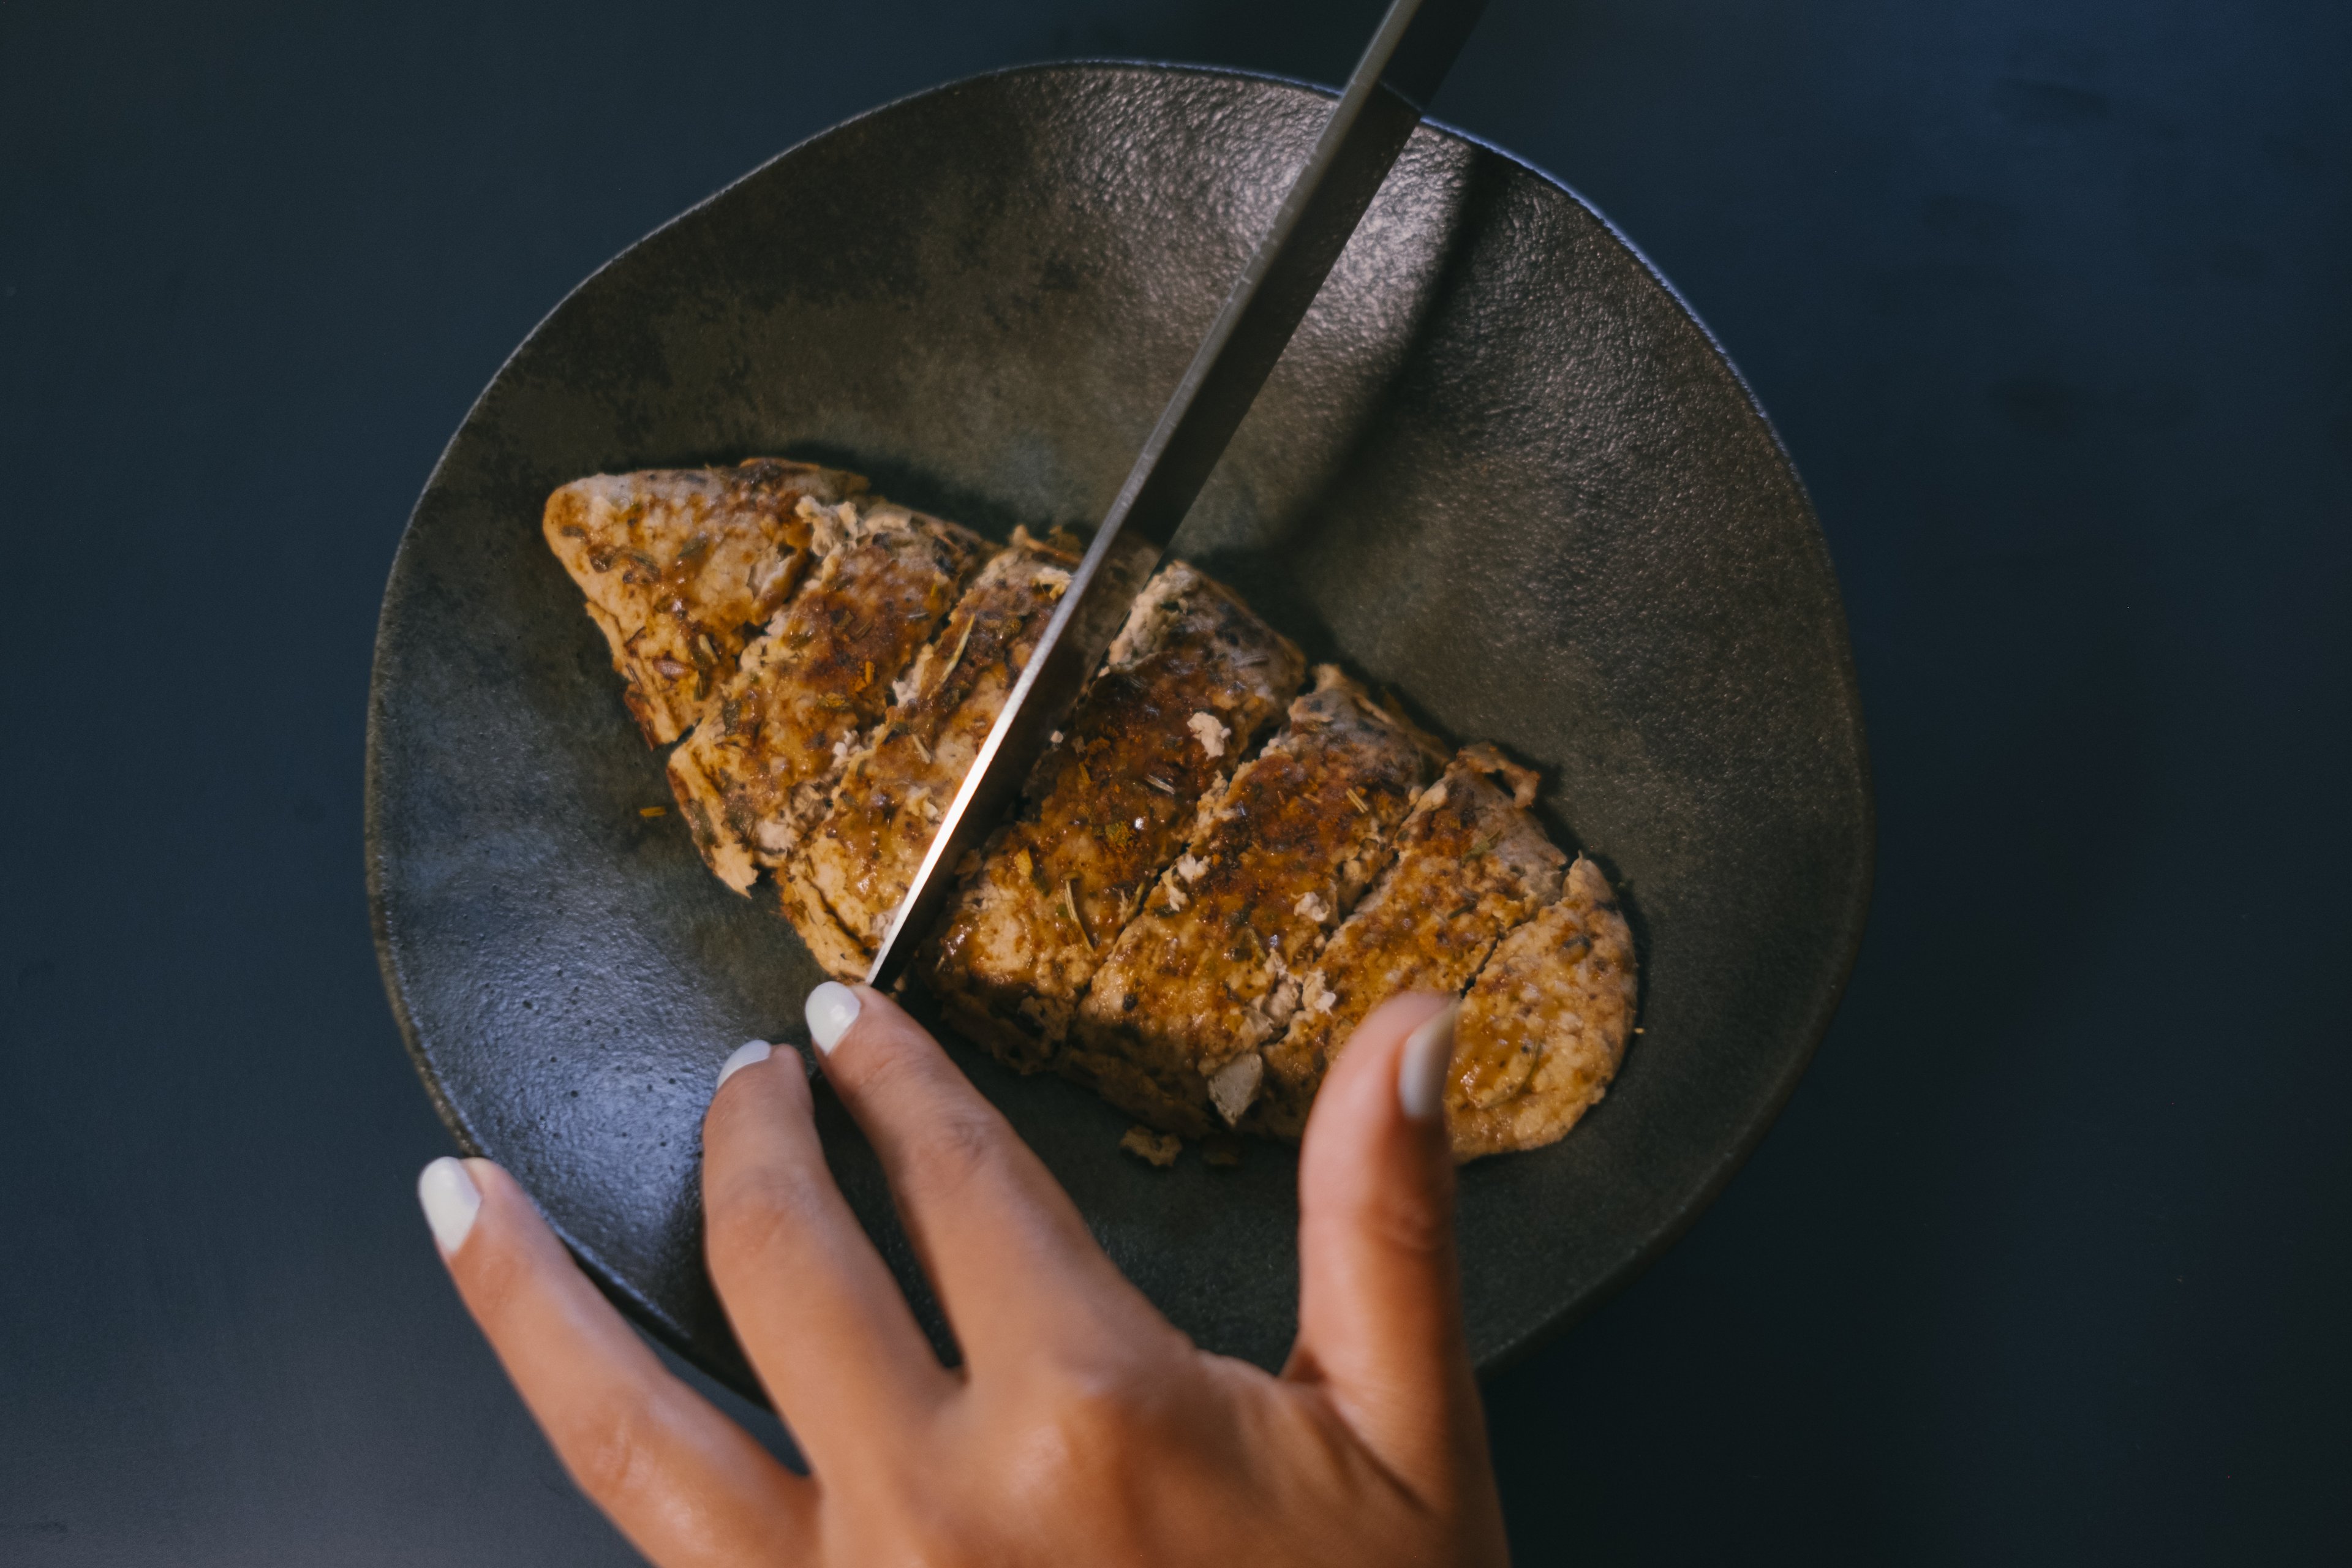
[1082,1427]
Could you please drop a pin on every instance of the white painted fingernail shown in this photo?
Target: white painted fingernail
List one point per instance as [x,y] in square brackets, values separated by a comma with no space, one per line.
[1421,1066]
[829,1009]
[746,1053]
[451,1201]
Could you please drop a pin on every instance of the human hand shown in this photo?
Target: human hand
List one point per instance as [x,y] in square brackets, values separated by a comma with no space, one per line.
[1082,1426]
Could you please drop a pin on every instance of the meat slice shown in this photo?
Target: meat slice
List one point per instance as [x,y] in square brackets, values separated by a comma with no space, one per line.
[680,564]
[1470,865]
[1191,680]
[761,760]
[856,863]
[1545,1026]
[1202,975]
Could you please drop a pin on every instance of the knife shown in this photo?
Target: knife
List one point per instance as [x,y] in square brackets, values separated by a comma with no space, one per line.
[1384,100]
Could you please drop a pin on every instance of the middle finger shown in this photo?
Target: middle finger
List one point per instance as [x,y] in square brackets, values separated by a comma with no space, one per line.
[1005,1248]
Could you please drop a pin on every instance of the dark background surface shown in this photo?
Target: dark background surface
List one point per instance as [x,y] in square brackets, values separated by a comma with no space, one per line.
[2053,302]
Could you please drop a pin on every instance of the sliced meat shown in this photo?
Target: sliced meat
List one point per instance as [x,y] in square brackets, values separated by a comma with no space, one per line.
[1191,680]
[856,863]
[1203,975]
[760,762]
[678,564]
[1546,1024]
[1470,865]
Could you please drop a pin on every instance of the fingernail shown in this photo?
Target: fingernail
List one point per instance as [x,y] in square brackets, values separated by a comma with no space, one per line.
[829,1009]
[746,1053]
[1420,1067]
[451,1201]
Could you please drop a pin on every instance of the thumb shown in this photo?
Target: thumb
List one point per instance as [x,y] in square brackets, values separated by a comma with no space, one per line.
[1380,1298]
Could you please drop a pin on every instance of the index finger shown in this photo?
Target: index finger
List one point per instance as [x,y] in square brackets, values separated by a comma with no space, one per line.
[687,1486]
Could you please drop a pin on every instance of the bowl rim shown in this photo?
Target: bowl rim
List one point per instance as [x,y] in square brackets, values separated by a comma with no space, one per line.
[1765,1111]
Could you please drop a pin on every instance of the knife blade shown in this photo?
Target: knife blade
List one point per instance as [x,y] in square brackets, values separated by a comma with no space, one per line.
[1385,96]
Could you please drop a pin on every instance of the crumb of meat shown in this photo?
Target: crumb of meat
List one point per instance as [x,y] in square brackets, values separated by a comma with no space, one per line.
[1158,1148]
[1147,618]
[1213,733]
[1313,994]
[1233,1085]
[1191,866]
[1310,906]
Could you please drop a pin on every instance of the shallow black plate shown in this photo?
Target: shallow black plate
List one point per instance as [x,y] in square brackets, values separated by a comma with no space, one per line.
[1501,469]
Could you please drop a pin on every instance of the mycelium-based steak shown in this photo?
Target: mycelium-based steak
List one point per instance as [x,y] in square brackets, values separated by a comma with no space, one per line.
[1170,1028]
[1189,681]
[1545,1025]
[678,564]
[761,760]
[1470,865]
[857,861]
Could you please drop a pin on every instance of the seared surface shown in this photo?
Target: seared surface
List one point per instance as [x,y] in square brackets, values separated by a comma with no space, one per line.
[759,763]
[1192,679]
[1203,975]
[1545,1026]
[678,564]
[1191,936]
[856,863]
[1470,865]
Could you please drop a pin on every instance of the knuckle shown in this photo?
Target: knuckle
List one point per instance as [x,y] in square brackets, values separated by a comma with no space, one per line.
[609,1448]
[754,1212]
[926,1537]
[498,1279]
[887,1070]
[1096,1406]
[1088,1434]
[1410,1223]
[958,1148]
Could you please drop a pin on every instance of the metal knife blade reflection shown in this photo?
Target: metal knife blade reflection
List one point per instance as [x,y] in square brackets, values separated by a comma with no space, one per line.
[1400,69]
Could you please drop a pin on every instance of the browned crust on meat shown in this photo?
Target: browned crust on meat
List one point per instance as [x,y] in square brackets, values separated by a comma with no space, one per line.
[1470,865]
[1192,679]
[836,951]
[1203,975]
[1545,1026]
[760,762]
[677,564]
[1314,882]
[858,859]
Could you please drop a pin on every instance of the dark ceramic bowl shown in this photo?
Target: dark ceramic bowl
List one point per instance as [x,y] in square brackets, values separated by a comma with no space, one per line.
[1501,470]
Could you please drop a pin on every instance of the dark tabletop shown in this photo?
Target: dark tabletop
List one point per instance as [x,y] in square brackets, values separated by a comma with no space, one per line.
[2051,300]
